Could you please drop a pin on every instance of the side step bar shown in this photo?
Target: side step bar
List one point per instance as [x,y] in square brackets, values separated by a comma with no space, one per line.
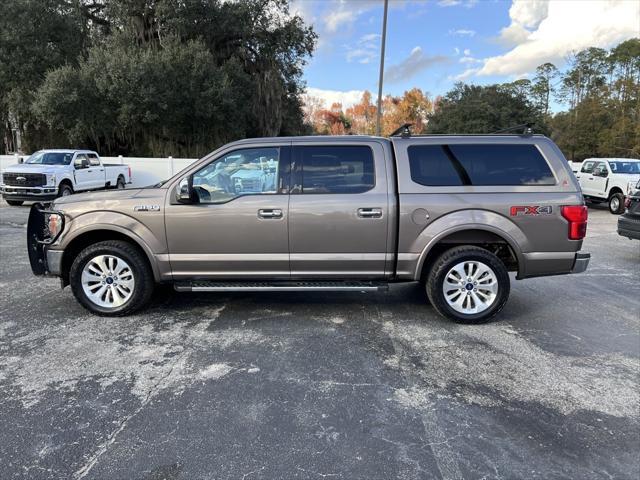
[284,286]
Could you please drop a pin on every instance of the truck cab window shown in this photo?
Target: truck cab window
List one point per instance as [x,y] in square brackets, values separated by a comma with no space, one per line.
[94,161]
[252,171]
[334,169]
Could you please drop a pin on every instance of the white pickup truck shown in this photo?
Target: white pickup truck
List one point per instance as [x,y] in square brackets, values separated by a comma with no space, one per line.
[48,174]
[608,180]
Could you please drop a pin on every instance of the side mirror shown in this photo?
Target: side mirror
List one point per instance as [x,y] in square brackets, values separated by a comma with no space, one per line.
[183,190]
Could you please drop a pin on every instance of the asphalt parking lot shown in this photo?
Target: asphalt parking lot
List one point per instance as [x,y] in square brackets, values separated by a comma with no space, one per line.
[334,386]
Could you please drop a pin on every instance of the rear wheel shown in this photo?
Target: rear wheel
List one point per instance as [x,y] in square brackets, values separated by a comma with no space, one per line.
[14,203]
[468,284]
[111,278]
[616,203]
[65,190]
[120,183]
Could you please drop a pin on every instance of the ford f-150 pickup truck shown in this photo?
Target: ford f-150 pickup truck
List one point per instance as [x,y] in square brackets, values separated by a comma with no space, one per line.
[48,174]
[456,213]
[608,180]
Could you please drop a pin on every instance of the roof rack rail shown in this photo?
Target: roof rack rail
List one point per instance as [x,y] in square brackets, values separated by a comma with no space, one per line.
[527,129]
[403,131]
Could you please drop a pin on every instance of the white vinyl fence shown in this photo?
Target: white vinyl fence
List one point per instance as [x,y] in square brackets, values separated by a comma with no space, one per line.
[144,171]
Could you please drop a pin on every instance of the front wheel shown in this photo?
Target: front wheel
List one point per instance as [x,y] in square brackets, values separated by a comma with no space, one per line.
[14,203]
[468,284]
[616,203]
[111,278]
[65,190]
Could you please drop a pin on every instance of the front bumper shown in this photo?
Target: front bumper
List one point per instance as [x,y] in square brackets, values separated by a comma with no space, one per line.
[11,192]
[43,261]
[629,226]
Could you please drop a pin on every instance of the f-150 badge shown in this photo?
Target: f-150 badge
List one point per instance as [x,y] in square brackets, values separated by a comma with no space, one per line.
[146,208]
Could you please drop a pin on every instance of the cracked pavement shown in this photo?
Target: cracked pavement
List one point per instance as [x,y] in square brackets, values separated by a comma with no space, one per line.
[319,385]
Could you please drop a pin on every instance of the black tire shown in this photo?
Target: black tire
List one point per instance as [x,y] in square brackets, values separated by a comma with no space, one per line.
[14,203]
[65,190]
[616,203]
[120,184]
[143,276]
[454,256]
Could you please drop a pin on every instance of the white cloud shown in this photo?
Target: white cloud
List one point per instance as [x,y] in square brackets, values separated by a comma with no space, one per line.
[559,27]
[416,62]
[467,52]
[346,98]
[463,32]
[469,72]
[470,60]
[454,3]
[366,49]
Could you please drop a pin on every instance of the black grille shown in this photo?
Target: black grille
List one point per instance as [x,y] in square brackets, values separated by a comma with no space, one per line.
[30,179]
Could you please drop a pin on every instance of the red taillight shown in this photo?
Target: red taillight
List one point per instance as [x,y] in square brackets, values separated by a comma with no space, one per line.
[627,202]
[576,215]
[129,173]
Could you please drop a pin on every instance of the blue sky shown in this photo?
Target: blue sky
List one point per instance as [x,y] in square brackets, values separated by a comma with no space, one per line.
[431,44]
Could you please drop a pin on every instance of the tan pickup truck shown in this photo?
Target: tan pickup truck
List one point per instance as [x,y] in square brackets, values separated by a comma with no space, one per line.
[456,213]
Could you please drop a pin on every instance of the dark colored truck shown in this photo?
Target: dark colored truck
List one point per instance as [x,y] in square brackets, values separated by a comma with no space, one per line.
[455,213]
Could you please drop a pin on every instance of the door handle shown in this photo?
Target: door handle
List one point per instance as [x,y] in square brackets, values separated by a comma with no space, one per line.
[370,212]
[269,213]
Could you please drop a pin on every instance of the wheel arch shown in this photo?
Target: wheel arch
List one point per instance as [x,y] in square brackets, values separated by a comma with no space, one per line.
[471,227]
[614,190]
[86,237]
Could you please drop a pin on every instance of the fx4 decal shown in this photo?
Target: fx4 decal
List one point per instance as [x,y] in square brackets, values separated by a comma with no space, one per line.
[531,210]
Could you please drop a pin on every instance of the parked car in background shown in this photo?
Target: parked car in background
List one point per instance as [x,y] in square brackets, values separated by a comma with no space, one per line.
[352,213]
[608,180]
[629,222]
[48,174]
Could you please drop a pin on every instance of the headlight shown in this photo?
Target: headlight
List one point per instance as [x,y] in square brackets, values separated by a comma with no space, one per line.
[51,179]
[54,224]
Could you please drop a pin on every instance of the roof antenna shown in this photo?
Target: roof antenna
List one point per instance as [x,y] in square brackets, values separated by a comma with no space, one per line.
[403,131]
[527,129]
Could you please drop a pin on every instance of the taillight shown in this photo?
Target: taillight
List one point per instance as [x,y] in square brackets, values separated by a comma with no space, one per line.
[627,202]
[576,215]
[129,167]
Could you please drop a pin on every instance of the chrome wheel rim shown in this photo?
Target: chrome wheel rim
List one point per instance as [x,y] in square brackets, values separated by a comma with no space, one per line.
[470,287]
[615,204]
[108,281]
[66,192]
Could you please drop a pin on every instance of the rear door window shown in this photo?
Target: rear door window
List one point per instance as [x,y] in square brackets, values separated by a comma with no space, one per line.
[333,169]
[94,161]
[478,164]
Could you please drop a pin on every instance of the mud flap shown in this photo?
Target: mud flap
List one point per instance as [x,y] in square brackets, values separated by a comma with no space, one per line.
[35,235]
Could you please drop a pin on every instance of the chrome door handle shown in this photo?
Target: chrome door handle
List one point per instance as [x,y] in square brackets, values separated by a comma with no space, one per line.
[270,213]
[370,212]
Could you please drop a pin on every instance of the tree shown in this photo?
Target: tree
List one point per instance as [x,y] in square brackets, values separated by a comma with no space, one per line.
[158,77]
[543,87]
[35,37]
[477,109]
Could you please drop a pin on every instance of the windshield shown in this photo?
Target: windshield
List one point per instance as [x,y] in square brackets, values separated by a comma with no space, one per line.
[50,158]
[625,167]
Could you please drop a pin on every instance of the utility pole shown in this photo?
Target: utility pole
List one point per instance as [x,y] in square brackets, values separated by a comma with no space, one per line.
[384,39]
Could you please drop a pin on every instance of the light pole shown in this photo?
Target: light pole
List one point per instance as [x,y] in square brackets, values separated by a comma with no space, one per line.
[384,39]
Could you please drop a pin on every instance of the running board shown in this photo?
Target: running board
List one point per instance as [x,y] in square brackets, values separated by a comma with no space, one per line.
[284,286]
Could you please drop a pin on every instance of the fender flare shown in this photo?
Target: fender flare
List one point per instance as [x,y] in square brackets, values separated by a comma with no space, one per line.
[511,241]
[135,238]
